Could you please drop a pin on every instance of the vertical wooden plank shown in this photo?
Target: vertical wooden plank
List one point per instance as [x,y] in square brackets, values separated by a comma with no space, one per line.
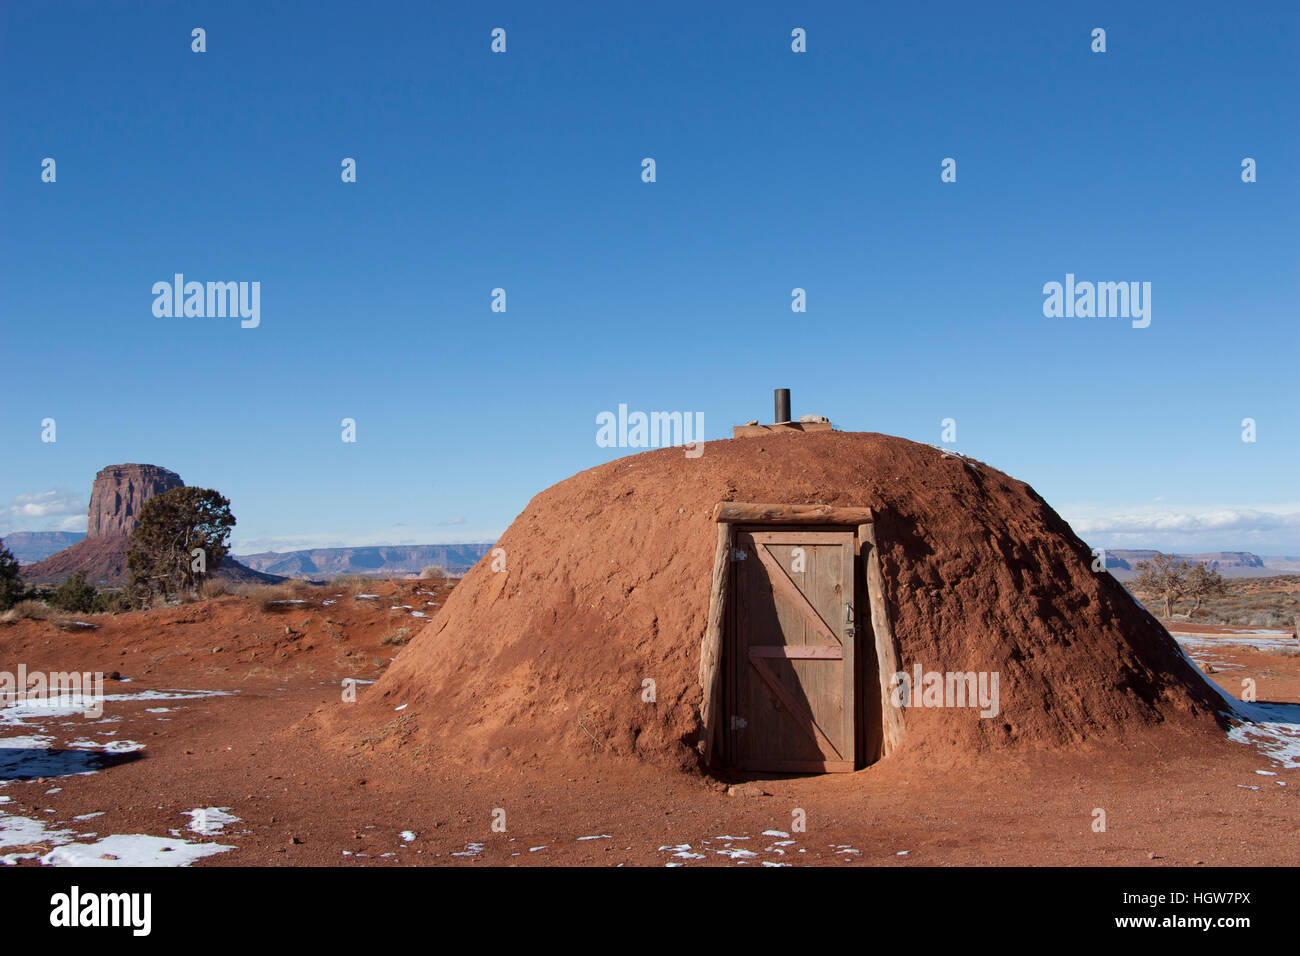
[737,661]
[711,649]
[848,669]
[886,648]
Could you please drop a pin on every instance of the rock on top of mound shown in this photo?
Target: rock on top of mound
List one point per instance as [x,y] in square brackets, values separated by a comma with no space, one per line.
[607,580]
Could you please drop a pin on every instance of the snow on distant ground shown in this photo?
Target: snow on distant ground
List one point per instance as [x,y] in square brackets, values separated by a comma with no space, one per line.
[1264,640]
[1273,729]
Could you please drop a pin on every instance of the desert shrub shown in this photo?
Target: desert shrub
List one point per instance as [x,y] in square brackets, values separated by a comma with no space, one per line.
[29,609]
[274,597]
[1268,619]
[74,595]
[433,571]
[214,588]
[398,637]
[110,601]
[351,583]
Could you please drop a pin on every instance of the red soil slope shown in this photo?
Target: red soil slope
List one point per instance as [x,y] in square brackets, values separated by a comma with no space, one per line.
[608,578]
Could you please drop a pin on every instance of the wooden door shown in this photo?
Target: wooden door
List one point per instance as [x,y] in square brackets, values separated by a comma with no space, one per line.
[789,698]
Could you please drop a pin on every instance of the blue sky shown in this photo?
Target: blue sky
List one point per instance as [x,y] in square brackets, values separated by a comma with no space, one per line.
[522,170]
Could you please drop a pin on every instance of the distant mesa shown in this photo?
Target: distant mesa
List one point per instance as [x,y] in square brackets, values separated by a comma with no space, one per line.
[396,560]
[1122,564]
[28,547]
[118,494]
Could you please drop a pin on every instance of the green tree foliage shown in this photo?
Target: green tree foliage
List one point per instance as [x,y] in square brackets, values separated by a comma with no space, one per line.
[73,595]
[1165,577]
[11,585]
[174,526]
[111,601]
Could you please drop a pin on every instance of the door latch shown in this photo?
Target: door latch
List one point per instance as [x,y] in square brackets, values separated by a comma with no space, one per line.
[850,630]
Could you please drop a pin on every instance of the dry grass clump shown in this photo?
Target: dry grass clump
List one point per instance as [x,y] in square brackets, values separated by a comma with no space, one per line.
[214,588]
[34,610]
[398,637]
[279,596]
[352,584]
[29,610]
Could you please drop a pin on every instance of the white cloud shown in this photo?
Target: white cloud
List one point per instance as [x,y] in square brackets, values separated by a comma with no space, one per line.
[1272,529]
[56,510]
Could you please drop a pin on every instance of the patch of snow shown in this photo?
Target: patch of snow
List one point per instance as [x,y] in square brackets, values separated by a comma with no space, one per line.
[107,746]
[407,835]
[780,833]
[210,820]
[682,850]
[47,708]
[134,849]
[735,854]
[22,831]
[1260,640]
[1274,729]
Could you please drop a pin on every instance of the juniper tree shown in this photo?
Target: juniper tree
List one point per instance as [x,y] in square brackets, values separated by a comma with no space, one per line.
[11,585]
[1203,582]
[182,536]
[1164,576]
[74,594]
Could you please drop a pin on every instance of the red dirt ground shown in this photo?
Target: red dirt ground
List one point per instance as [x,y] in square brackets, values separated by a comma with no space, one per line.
[1170,796]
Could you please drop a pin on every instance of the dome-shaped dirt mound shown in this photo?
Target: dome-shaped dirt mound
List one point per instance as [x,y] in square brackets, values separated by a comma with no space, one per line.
[607,584]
